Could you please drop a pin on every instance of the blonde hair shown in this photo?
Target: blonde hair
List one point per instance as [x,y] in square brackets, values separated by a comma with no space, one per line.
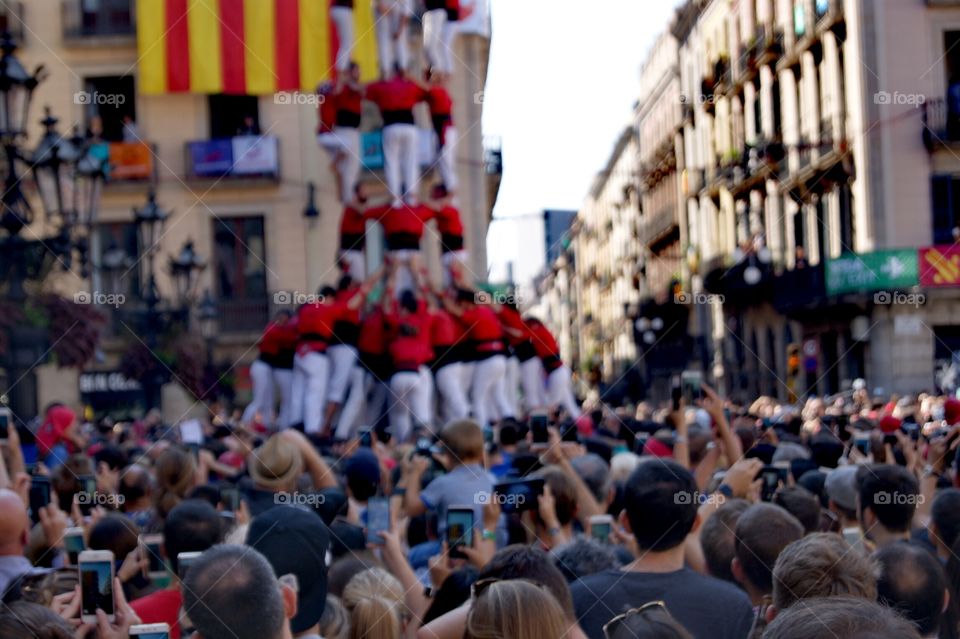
[464,439]
[374,598]
[503,609]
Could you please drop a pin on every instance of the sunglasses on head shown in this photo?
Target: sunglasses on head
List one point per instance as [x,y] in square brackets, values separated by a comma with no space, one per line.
[611,625]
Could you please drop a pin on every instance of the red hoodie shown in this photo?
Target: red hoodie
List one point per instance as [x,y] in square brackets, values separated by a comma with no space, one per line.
[58,420]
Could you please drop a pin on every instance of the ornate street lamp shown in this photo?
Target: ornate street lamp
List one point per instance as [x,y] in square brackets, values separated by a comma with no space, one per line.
[185,268]
[16,91]
[53,163]
[208,318]
[311,212]
[149,221]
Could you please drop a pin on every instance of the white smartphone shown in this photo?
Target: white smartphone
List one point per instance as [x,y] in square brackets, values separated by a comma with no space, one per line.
[150,631]
[184,561]
[73,541]
[96,584]
[150,547]
[601,526]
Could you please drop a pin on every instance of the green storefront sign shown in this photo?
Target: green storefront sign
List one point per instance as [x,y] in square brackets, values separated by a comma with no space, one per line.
[865,272]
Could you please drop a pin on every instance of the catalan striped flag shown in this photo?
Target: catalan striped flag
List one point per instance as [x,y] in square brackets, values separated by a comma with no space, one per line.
[244,47]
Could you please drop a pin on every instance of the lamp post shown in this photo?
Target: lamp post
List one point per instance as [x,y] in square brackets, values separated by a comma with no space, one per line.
[149,221]
[207,317]
[184,269]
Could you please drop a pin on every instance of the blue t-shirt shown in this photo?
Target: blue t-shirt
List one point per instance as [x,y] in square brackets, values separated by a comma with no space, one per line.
[468,485]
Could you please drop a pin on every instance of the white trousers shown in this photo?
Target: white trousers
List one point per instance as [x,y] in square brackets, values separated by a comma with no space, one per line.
[392,40]
[261,376]
[434,23]
[310,374]
[498,398]
[447,159]
[400,160]
[486,372]
[283,379]
[531,381]
[450,30]
[356,263]
[356,397]
[377,392]
[560,391]
[511,382]
[452,260]
[405,279]
[406,400]
[343,359]
[342,17]
[453,399]
[343,145]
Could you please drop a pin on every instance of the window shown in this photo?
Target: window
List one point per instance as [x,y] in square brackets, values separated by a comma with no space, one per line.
[946,207]
[823,252]
[951,56]
[93,18]
[240,258]
[107,101]
[116,256]
[847,230]
[232,115]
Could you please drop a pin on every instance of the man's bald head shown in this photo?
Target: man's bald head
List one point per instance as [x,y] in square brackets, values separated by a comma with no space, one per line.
[14,523]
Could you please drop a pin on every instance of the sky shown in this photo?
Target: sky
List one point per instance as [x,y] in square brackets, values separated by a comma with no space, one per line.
[562,81]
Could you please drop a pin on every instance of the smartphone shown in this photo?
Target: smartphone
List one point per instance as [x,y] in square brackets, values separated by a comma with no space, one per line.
[73,541]
[366,438]
[425,447]
[88,491]
[459,530]
[40,493]
[770,481]
[568,432]
[691,383]
[6,417]
[676,392]
[230,498]
[538,426]
[601,526]
[96,584]
[862,442]
[518,496]
[150,631]
[378,518]
[150,546]
[184,561]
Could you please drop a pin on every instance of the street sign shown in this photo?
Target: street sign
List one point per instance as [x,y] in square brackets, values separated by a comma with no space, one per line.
[940,266]
[889,269]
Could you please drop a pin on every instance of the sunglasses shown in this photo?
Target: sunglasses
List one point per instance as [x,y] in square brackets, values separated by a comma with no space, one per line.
[611,625]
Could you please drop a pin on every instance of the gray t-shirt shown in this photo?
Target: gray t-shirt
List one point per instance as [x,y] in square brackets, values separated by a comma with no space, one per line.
[708,608]
[468,485]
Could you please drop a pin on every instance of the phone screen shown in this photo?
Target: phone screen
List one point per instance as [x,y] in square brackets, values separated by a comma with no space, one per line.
[184,561]
[459,530]
[691,382]
[151,548]
[366,438]
[676,393]
[601,531]
[73,542]
[538,424]
[770,483]
[568,432]
[378,518]
[87,496]
[39,496]
[96,587]
[518,496]
[150,635]
[230,497]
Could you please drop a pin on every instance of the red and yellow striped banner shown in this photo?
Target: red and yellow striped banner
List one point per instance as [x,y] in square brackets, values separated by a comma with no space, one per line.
[244,47]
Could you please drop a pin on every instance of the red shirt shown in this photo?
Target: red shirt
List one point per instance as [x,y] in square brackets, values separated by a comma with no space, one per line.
[344,313]
[353,228]
[373,339]
[404,221]
[162,606]
[439,101]
[347,104]
[410,351]
[398,95]
[443,329]
[326,111]
[270,341]
[315,327]
[482,324]
[510,318]
[546,346]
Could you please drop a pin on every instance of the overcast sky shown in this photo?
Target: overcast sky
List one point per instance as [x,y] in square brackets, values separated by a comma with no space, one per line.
[563,77]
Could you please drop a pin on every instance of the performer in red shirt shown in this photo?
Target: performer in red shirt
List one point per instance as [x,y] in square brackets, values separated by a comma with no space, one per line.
[439,26]
[311,366]
[402,229]
[392,19]
[441,113]
[353,235]
[287,338]
[448,341]
[341,14]
[559,378]
[261,373]
[340,113]
[453,256]
[372,346]
[396,98]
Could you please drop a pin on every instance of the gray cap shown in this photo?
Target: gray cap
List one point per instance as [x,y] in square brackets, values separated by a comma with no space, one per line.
[841,487]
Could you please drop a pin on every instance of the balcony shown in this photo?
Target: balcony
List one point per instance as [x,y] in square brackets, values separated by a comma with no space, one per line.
[131,163]
[249,160]
[108,22]
[770,45]
[941,129]
[707,93]
[801,289]
[747,283]
[12,19]
[722,74]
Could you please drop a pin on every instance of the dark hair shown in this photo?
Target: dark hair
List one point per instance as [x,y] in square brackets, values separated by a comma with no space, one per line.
[716,538]
[848,617]
[452,593]
[116,533]
[327,292]
[112,456]
[800,503]
[650,623]
[510,432]
[135,484]
[519,561]
[890,493]
[207,492]
[945,512]
[408,301]
[345,568]
[595,473]
[762,533]
[564,493]
[660,500]
[911,581]
[25,620]
[584,556]
[231,592]
[344,283]
[192,526]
